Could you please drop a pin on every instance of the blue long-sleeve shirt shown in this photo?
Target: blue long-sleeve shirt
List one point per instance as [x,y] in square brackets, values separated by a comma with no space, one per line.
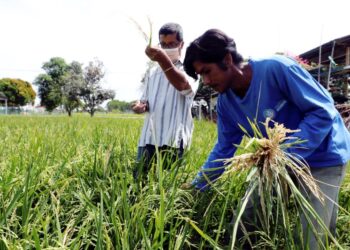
[288,94]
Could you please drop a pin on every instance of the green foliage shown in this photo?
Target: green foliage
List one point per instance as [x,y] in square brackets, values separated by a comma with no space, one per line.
[18,92]
[119,106]
[73,82]
[50,84]
[343,223]
[56,67]
[70,86]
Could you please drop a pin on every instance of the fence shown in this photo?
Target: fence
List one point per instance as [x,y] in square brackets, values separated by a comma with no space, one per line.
[20,110]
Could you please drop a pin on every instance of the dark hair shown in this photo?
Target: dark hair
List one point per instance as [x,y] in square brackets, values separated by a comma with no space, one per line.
[172,28]
[211,47]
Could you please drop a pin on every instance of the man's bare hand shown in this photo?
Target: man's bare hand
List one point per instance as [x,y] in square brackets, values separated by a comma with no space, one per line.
[140,107]
[155,53]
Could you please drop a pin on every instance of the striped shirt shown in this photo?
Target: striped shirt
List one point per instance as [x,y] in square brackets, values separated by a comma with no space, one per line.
[169,119]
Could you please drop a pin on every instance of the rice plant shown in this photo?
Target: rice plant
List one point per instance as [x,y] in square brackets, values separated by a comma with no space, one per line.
[146,36]
[271,191]
[68,184]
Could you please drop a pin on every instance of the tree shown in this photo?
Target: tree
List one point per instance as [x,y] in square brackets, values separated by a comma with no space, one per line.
[73,82]
[17,91]
[91,92]
[50,84]
[120,106]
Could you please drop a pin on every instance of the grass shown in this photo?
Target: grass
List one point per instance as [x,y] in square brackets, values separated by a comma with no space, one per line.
[67,183]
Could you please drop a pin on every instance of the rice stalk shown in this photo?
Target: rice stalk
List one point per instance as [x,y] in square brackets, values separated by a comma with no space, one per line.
[150,30]
[146,37]
[204,235]
[269,169]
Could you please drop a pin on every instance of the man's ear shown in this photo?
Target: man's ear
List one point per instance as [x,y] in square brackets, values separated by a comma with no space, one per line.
[228,59]
[181,45]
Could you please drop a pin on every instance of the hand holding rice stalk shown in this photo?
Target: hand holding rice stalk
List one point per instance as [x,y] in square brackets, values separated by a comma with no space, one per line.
[269,169]
[147,37]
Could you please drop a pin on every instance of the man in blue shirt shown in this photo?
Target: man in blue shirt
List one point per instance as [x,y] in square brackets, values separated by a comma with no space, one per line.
[280,89]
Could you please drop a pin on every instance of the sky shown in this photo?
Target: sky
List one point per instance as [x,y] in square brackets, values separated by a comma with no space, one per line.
[33,31]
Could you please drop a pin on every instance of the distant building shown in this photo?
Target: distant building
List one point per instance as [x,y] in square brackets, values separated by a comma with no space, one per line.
[331,66]
[204,104]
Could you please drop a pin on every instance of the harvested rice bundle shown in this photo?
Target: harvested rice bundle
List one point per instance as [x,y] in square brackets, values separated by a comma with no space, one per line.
[270,171]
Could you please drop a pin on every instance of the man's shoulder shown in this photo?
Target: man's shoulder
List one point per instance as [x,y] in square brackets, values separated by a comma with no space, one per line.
[274,59]
[277,62]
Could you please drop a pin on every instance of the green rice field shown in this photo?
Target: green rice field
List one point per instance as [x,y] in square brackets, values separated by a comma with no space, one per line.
[67,183]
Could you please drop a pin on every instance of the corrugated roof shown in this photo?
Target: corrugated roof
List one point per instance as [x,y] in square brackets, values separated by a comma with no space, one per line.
[340,45]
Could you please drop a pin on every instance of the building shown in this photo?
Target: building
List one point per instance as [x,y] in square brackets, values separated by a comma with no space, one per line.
[331,66]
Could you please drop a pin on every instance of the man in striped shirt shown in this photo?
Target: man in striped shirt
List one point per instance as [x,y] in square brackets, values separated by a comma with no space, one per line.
[167,97]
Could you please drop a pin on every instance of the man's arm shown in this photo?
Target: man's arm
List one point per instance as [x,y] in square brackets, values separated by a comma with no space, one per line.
[175,76]
[316,104]
[228,135]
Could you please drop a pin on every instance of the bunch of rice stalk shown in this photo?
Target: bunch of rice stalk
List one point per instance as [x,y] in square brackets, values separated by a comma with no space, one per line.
[147,37]
[269,170]
[344,110]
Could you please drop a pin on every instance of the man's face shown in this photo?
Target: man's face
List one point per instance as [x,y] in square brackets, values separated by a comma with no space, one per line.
[170,42]
[213,76]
